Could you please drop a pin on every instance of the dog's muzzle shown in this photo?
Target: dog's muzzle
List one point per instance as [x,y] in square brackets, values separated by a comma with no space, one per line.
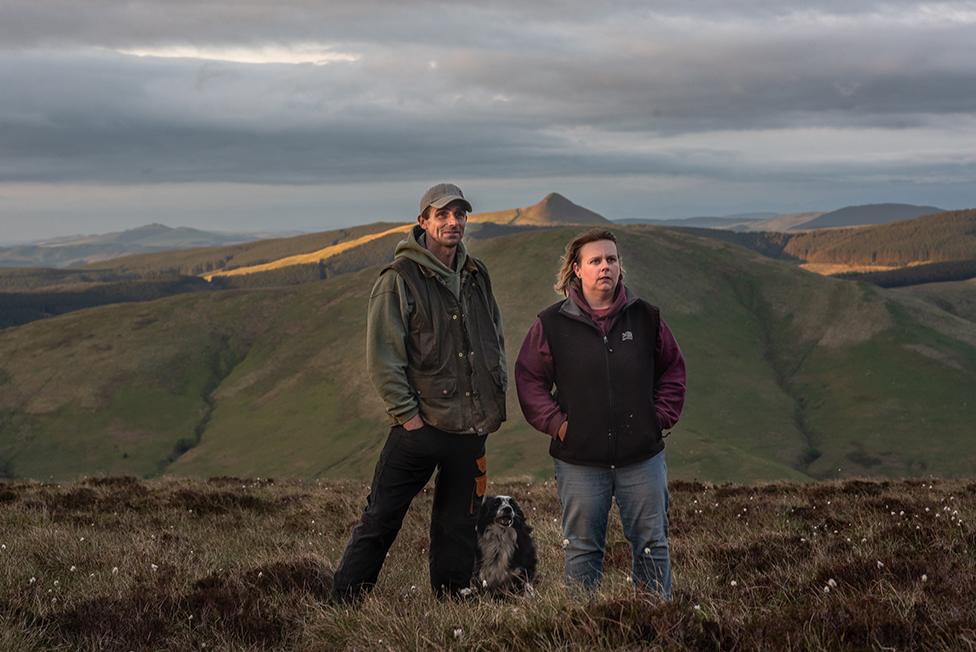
[505,516]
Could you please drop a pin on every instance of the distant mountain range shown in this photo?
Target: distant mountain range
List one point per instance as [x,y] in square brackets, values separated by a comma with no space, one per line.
[553,209]
[85,249]
[847,216]
[869,214]
[706,222]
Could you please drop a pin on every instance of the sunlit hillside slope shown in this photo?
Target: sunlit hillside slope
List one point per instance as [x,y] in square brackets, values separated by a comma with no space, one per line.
[791,375]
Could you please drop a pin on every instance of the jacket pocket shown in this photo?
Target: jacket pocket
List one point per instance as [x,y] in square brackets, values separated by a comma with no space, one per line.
[432,388]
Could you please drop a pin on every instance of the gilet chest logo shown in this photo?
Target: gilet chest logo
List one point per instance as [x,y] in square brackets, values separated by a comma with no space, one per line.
[627,336]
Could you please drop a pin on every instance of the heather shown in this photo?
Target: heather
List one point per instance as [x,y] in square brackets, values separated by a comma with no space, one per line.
[229,563]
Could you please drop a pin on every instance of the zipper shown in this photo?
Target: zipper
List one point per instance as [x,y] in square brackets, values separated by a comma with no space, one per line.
[612,443]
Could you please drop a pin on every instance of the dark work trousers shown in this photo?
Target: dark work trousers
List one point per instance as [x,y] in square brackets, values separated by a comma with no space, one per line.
[407,462]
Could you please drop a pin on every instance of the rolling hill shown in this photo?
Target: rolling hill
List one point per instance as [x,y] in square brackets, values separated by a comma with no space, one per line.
[869,214]
[738,222]
[848,216]
[194,262]
[946,237]
[933,238]
[955,297]
[27,305]
[791,375]
[314,257]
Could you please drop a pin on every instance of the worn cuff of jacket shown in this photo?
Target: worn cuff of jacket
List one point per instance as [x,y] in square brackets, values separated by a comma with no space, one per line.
[664,420]
[401,419]
[555,423]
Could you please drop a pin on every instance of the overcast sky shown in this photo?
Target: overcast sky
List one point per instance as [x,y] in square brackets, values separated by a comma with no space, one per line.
[245,115]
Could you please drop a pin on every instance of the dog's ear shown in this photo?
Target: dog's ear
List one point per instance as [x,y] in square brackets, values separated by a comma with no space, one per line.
[517,509]
[486,514]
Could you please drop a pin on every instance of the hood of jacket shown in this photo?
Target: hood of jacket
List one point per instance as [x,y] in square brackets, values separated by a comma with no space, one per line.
[575,306]
[413,248]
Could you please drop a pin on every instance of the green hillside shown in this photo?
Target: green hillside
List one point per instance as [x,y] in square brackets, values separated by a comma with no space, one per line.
[957,298]
[791,375]
[30,305]
[34,279]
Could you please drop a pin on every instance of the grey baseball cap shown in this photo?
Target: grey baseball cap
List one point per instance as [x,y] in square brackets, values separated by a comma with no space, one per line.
[441,195]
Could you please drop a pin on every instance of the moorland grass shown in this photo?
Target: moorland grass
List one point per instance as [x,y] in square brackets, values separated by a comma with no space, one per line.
[245,564]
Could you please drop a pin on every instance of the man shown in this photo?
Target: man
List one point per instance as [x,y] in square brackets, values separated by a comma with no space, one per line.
[435,353]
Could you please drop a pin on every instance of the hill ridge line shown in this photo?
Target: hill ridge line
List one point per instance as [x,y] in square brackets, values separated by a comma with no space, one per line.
[311,257]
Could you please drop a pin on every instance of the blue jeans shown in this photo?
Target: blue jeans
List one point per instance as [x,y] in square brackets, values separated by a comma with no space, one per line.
[641,490]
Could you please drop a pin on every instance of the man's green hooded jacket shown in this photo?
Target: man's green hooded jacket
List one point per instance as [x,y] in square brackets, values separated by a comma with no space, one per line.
[434,343]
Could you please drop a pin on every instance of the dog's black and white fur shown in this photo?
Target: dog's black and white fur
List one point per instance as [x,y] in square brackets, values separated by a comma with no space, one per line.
[506,554]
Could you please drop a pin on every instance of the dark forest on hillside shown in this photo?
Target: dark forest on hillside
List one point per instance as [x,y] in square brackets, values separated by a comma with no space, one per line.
[22,307]
[936,238]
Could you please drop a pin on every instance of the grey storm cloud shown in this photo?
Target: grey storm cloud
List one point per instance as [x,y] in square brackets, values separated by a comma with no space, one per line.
[508,90]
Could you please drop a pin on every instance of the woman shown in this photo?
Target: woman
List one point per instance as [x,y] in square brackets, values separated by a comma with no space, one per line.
[620,380]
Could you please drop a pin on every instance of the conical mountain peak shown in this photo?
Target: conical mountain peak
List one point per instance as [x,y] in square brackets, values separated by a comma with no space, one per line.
[550,210]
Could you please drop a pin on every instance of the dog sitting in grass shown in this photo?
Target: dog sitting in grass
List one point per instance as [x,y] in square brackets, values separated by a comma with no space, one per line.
[506,554]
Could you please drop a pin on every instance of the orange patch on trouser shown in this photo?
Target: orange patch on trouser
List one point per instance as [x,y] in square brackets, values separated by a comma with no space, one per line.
[481,482]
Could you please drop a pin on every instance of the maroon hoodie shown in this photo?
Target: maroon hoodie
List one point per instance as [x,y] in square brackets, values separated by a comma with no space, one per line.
[534,374]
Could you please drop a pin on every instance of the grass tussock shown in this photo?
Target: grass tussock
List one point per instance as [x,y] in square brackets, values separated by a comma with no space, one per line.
[233,563]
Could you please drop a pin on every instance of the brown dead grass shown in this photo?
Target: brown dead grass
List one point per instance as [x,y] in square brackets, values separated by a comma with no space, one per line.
[234,563]
[829,269]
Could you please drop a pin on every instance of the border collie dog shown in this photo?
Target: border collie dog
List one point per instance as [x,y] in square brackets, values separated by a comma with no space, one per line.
[506,555]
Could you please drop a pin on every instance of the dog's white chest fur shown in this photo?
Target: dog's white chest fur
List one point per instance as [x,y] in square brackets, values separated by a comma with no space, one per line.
[497,547]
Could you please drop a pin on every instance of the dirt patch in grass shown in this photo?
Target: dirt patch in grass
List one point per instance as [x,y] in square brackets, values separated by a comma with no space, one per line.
[206,503]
